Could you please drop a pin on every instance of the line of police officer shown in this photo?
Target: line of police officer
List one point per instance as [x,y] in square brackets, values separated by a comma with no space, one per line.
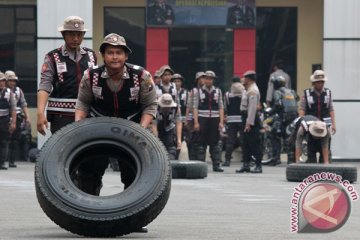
[13,115]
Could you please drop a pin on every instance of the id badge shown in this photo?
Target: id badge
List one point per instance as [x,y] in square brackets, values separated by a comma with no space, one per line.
[202,95]
[61,67]
[97,90]
[134,91]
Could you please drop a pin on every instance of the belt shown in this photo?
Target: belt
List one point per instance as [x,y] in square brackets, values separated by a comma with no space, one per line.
[62,105]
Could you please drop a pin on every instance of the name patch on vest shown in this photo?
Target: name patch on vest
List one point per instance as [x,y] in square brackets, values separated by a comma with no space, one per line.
[97,91]
[61,67]
[134,92]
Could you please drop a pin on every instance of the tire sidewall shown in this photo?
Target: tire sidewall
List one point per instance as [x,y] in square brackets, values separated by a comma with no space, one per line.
[53,176]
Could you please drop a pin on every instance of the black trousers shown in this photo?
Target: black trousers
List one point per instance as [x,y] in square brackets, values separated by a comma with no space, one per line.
[168,138]
[14,142]
[58,121]
[88,175]
[4,139]
[209,136]
[252,146]
[233,139]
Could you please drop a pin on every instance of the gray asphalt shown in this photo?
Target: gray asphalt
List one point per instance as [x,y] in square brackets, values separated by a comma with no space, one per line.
[221,206]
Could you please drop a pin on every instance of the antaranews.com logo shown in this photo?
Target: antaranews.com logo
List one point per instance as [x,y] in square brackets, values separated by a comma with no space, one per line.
[321,203]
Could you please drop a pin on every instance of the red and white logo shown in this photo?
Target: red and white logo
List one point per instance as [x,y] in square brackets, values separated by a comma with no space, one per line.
[325,207]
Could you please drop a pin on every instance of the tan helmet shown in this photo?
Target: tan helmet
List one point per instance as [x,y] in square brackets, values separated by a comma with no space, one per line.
[198,75]
[165,68]
[318,75]
[114,40]
[177,76]
[10,75]
[209,73]
[2,76]
[73,24]
[166,100]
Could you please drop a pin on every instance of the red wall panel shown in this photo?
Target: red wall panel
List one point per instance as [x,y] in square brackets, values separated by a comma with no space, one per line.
[157,48]
[244,50]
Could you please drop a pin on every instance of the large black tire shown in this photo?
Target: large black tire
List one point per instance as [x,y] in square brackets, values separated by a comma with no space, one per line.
[97,216]
[188,169]
[298,172]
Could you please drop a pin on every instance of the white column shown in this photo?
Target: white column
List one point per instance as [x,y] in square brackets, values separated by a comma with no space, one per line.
[51,15]
[341,64]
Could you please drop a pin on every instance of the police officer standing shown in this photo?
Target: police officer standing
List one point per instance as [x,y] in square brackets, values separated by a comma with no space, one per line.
[193,136]
[183,96]
[232,101]
[251,121]
[208,110]
[317,101]
[7,113]
[286,108]
[277,71]
[61,74]
[22,112]
[165,85]
[169,125]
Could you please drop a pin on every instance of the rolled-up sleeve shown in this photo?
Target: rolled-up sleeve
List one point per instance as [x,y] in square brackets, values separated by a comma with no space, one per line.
[22,100]
[47,75]
[252,108]
[148,99]
[85,95]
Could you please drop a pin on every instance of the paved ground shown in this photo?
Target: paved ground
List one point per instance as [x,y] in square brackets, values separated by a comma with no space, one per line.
[221,206]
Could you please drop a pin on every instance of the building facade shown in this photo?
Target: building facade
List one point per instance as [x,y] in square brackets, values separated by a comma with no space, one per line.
[304,35]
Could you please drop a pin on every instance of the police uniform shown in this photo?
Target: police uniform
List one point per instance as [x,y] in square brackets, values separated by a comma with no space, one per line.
[167,121]
[98,95]
[233,119]
[286,114]
[20,102]
[318,103]
[270,88]
[7,111]
[192,137]
[160,14]
[302,131]
[251,138]
[209,104]
[61,74]
[183,98]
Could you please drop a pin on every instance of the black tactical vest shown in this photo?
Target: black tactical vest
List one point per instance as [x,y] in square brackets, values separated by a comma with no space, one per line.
[4,102]
[67,82]
[317,106]
[209,101]
[122,104]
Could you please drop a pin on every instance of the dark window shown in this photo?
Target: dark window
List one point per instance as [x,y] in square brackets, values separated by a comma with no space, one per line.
[276,41]
[129,23]
[18,48]
[201,49]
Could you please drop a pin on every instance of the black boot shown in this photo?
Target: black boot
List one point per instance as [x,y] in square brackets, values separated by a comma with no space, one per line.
[12,165]
[215,152]
[244,168]
[226,163]
[274,162]
[257,169]
[2,166]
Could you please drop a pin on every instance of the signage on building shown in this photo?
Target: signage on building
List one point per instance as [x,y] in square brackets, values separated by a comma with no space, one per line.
[229,13]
